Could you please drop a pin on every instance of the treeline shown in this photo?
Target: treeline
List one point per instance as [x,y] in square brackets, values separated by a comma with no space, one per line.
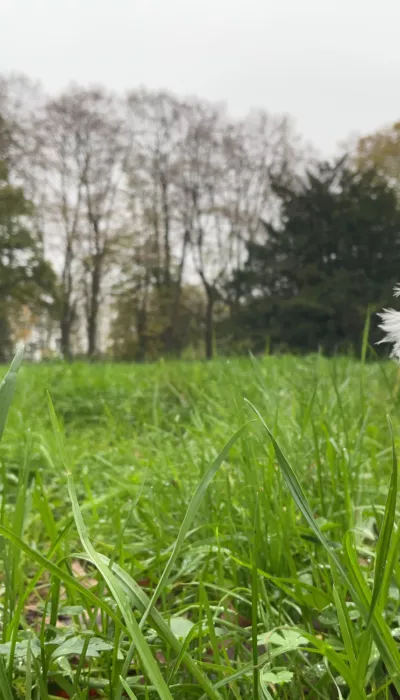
[144,225]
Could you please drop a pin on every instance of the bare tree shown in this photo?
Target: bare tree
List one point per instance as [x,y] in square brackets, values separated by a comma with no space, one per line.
[152,191]
[63,166]
[211,165]
[82,164]
[159,124]
[228,166]
[106,149]
[199,182]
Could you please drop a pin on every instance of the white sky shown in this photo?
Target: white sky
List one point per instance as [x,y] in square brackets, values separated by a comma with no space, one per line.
[334,65]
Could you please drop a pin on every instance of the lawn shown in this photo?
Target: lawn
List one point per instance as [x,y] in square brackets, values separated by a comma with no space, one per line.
[104,594]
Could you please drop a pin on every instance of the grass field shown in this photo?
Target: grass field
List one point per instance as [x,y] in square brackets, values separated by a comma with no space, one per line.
[115,583]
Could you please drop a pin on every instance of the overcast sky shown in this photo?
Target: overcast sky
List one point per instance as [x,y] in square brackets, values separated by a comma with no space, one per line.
[334,65]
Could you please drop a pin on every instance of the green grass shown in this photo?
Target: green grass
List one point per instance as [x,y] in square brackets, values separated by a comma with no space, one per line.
[162,537]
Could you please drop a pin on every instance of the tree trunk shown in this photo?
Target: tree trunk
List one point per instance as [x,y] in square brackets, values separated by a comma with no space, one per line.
[6,346]
[67,306]
[92,320]
[141,328]
[92,335]
[167,245]
[173,339]
[209,330]
[65,327]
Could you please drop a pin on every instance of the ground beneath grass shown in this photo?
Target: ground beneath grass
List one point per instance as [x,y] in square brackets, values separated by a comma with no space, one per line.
[138,440]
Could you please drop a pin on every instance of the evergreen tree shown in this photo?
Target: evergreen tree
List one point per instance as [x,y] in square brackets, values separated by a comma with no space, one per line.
[335,254]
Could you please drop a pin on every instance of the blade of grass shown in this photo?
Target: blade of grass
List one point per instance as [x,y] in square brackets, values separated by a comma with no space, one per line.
[48,565]
[144,651]
[382,558]
[204,602]
[7,389]
[191,512]
[20,514]
[189,517]
[297,492]
[32,584]
[365,337]
[28,674]
[81,662]
[5,687]
[345,626]
[127,689]
[140,600]
[42,688]
[254,601]
[382,635]
[385,536]
[184,647]
[186,523]
[319,647]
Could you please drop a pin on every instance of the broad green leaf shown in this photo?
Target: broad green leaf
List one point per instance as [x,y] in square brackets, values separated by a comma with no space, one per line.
[284,637]
[21,648]
[278,676]
[74,646]
[70,610]
[180,626]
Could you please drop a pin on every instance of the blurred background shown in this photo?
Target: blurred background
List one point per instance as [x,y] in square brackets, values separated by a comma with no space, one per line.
[189,179]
